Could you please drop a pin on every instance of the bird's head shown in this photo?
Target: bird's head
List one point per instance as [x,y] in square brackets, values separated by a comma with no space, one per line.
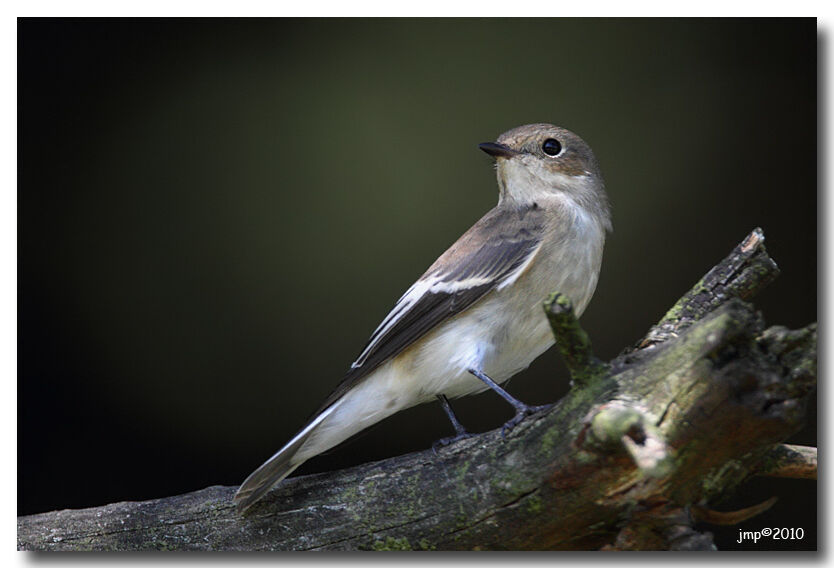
[536,161]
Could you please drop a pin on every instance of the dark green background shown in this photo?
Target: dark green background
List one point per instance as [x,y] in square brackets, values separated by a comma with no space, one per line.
[215,214]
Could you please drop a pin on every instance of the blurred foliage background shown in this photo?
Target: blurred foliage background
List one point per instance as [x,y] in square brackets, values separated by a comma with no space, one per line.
[215,214]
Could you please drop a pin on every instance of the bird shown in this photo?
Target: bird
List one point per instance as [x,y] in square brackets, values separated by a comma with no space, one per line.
[474,318]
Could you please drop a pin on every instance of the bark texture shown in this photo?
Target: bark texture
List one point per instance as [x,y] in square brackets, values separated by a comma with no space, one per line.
[698,405]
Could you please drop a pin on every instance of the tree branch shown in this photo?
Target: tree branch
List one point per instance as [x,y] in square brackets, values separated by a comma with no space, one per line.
[572,341]
[787,460]
[746,271]
[618,463]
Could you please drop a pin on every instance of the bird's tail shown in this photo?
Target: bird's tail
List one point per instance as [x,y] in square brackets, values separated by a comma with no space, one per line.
[378,396]
[279,466]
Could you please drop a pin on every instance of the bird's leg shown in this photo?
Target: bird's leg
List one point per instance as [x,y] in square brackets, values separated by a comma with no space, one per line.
[460,431]
[521,409]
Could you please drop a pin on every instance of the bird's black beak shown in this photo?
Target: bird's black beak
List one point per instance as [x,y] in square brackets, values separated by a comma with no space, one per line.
[497,150]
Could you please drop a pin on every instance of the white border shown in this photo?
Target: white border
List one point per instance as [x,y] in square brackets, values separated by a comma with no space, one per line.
[8,207]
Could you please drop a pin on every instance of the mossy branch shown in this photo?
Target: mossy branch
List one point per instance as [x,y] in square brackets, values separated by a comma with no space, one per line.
[788,460]
[571,340]
[746,270]
[623,461]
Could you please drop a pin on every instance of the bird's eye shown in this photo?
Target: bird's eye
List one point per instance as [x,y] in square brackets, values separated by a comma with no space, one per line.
[551,147]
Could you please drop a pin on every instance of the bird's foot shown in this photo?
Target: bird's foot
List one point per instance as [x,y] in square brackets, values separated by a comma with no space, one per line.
[460,431]
[522,411]
[443,442]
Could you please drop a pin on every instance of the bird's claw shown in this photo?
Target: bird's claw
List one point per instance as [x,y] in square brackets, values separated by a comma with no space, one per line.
[522,413]
[443,442]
